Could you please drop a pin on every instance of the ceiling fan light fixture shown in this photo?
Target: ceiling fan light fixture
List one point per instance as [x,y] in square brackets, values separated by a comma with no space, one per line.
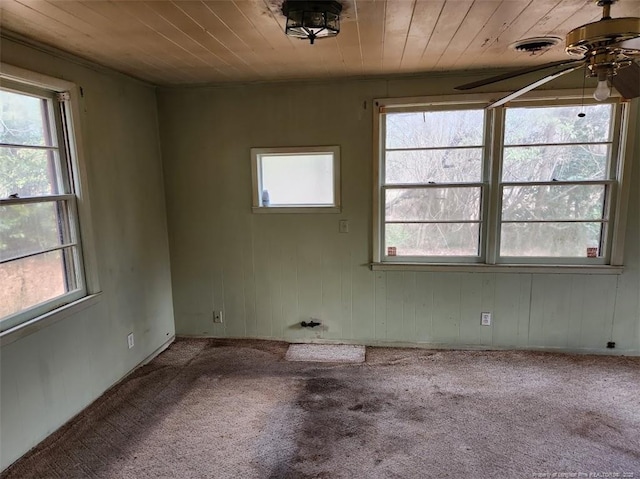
[609,49]
[312,19]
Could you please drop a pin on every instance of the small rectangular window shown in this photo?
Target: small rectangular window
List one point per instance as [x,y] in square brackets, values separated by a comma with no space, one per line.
[293,180]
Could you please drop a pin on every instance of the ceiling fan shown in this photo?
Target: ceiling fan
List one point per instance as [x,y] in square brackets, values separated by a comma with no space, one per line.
[609,49]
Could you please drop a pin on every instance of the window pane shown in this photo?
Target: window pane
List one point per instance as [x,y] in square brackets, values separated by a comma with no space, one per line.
[438,166]
[562,163]
[31,227]
[30,281]
[550,202]
[435,129]
[22,119]
[27,172]
[444,204]
[549,239]
[433,239]
[558,124]
[297,179]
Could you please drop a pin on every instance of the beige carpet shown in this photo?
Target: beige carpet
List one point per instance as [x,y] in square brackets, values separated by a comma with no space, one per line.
[237,409]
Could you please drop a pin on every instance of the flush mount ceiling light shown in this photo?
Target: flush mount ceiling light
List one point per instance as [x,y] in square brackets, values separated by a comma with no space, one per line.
[311,19]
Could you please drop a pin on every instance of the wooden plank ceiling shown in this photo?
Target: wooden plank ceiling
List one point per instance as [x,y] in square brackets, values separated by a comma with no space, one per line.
[179,42]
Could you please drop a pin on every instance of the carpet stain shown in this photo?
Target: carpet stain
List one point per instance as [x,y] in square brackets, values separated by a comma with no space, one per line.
[337,415]
[226,409]
[323,385]
[606,430]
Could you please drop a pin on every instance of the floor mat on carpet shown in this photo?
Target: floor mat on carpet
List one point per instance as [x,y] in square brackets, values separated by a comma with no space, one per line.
[326,353]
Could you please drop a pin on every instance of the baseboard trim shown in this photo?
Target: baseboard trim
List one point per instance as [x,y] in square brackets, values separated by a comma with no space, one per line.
[425,345]
[157,352]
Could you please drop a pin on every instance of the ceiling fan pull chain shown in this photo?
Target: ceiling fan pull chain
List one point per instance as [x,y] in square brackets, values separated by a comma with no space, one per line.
[582,114]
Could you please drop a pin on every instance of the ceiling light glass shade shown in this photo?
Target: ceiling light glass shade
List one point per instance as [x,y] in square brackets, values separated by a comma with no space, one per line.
[312,19]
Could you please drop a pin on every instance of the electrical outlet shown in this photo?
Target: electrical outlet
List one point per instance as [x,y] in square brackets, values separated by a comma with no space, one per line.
[130,341]
[217,316]
[485,319]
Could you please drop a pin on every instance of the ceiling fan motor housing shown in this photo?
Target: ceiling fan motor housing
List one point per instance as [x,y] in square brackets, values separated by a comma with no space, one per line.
[603,33]
[602,43]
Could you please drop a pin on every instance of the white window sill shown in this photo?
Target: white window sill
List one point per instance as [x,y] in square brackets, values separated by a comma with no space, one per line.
[29,327]
[296,209]
[499,268]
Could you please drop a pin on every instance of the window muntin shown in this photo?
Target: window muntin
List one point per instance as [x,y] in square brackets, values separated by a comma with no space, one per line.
[432,187]
[296,179]
[548,183]
[40,257]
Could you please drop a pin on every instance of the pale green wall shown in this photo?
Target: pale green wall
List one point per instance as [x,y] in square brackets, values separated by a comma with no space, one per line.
[52,374]
[269,272]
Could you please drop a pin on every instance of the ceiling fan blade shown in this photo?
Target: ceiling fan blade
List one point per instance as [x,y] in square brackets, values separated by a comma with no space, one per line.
[534,85]
[523,71]
[631,44]
[627,81]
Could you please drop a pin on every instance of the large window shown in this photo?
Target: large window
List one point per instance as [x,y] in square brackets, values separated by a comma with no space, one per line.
[40,256]
[535,183]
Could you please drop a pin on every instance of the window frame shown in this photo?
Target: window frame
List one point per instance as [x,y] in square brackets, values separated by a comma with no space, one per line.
[489,258]
[256,179]
[64,100]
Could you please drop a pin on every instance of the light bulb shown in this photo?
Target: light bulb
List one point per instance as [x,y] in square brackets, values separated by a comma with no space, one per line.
[603,90]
